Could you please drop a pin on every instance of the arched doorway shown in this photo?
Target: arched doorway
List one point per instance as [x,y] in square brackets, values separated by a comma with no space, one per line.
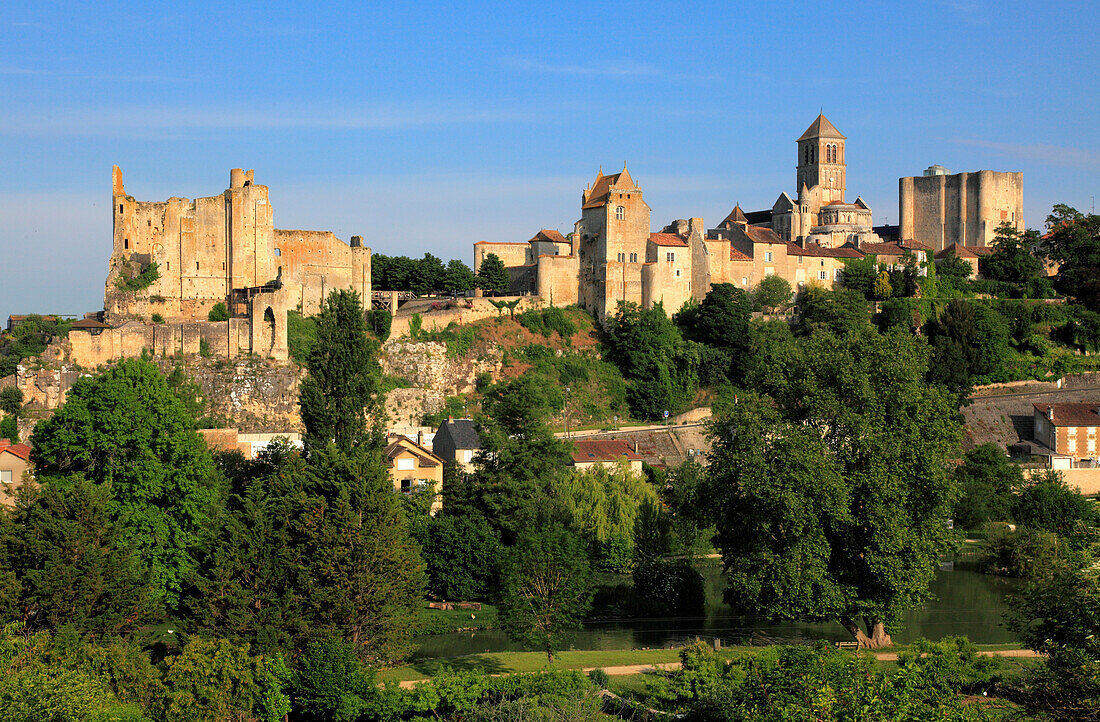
[269,331]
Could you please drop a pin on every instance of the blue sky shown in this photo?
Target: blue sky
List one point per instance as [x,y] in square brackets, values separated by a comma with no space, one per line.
[426,127]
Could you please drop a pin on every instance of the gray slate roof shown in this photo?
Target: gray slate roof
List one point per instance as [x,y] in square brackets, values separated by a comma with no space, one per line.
[463,433]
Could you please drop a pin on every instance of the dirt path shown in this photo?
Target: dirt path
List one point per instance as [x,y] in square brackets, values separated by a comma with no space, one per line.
[629,669]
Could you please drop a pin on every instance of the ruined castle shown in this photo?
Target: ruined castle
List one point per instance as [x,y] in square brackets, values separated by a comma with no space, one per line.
[612,256]
[174,261]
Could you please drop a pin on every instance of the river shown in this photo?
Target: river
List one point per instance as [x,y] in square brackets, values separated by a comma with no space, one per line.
[966,603]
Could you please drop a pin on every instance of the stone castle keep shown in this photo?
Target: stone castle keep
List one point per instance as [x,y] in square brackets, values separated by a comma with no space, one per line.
[220,249]
[613,256]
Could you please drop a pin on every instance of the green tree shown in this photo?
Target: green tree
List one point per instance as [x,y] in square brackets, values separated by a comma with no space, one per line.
[431,276]
[722,321]
[11,400]
[493,276]
[72,565]
[462,556]
[379,321]
[546,589]
[883,290]
[773,292]
[660,367]
[9,429]
[344,376]
[1013,261]
[954,272]
[841,311]
[126,429]
[1058,618]
[860,275]
[458,278]
[218,312]
[1046,502]
[604,504]
[988,483]
[830,496]
[970,342]
[517,458]
[1073,241]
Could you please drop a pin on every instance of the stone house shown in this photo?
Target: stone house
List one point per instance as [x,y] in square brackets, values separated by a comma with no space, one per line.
[413,467]
[1068,429]
[940,209]
[457,442]
[608,453]
[15,469]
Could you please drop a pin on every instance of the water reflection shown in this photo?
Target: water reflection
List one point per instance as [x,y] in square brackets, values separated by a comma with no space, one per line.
[968,603]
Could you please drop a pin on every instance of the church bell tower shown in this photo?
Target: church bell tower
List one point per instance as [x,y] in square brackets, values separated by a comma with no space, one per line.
[821,160]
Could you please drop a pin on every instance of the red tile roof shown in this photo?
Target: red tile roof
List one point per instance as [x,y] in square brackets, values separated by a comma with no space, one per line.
[23,451]
[759,234]
[547,234]
[736,255]
[668,239]
[817,251]
[601,188]
[1071,414]
[981,250]
[604,450]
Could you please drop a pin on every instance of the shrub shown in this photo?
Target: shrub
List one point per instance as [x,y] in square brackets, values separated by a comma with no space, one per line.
[204,348]
[218,313]
[416,323]
[301,334]
[599,678]
[157,318]
[129,282]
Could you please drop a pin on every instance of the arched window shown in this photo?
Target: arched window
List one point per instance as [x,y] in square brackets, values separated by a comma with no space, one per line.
[620,213]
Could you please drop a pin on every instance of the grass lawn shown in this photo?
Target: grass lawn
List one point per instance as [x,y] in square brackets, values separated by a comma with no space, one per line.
[506,662]
[503,662]
[440,621]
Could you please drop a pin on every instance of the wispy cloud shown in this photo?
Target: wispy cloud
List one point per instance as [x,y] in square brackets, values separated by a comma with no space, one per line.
[969,12]
[617,69]
[165,121]
[1040,153]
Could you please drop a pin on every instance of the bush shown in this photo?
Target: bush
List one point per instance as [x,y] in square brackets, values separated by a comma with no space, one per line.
[599,678]
[204,348]
[1025,553]
[157,318]
[218,313]
[129,282]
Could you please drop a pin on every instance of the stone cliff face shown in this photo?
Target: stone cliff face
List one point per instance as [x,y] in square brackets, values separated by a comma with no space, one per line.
[432,376]
[261,395]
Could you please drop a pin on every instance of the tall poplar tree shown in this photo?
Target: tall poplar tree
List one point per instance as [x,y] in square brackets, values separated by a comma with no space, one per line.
[344,377]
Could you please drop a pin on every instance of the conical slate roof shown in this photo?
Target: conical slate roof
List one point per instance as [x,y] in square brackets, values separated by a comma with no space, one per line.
[821,128]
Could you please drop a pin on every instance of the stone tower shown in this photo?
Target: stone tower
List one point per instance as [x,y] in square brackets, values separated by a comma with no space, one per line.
[821,160]
[613,232]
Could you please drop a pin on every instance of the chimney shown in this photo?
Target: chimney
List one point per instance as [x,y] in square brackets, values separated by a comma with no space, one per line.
[1050,413]
[450,419]
[635,445]
[420,438]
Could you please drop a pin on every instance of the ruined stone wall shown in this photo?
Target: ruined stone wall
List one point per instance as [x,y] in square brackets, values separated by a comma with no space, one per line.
[315,263]
[439,320]
[512,254]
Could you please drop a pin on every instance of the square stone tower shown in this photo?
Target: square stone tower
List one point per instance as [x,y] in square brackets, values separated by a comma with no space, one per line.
[613,232]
